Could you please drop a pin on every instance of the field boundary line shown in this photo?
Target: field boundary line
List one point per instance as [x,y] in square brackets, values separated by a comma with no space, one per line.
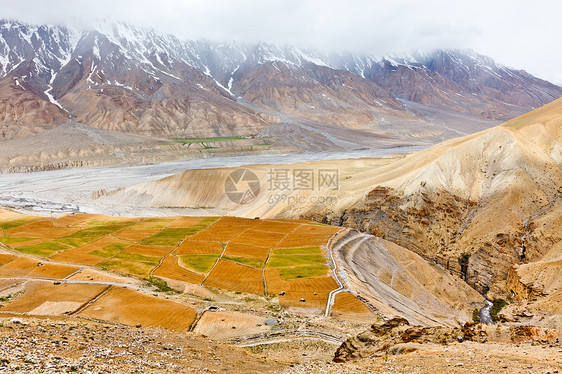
[67,281]
[249,245]
[215,264]
[76,272]
[151,273]
[223,251]
[269,255]
[10,252]
[17,253]
[196,320]
[91,301]
[137,242]
[82,229]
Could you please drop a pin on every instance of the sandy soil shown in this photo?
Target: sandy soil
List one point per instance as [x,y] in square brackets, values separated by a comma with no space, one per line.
[225,325]
[467,357]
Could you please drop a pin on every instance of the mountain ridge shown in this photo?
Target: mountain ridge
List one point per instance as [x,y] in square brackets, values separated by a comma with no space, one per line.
[135,80]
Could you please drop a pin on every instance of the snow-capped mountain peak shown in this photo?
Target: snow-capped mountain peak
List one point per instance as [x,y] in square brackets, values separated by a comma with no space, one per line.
[117,76]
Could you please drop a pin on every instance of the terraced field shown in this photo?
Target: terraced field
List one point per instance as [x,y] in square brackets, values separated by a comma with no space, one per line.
[263,257]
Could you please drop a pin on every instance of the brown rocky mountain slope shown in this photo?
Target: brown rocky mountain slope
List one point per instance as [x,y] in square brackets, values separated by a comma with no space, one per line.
[486,206]
[135,80]
[464,78]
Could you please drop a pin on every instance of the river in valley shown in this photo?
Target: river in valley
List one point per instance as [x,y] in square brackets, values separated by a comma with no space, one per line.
[70,190]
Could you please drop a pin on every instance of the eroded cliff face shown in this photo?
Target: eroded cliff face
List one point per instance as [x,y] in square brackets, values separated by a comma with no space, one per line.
[432,225]
[479,244]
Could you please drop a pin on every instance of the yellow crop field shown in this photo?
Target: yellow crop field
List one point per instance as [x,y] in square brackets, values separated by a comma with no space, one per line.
[4,258]
[191,247]
[80,219]
[275,226]
[136,268]
[90,275]
[18,267]
[149,250]
[308,235]
[235,277]
[172,270]
[42,298]
[92,253]
[184,222]
[9,220]
[77,256]
[41,229]
[317,229]
[235,249]
[199,263]
[135,235]
[275,283]
[258,238]
[314,292]
[346,305]
[25,241]
[153,223]
[53,271]
[301,240]
[246,255]
[130,308]
[225,229]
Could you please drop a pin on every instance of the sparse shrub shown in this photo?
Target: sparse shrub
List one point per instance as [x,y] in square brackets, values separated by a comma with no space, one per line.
[274,308]
[9,297]
[161,286]
[476,316]
[497,306]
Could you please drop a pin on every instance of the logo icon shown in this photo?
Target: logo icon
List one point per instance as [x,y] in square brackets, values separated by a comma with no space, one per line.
[242,186]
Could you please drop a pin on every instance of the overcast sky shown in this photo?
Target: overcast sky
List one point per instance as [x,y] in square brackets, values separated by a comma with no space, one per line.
[521,34]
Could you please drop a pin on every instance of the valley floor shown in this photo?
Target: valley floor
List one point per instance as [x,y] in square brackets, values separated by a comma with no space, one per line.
[70,190]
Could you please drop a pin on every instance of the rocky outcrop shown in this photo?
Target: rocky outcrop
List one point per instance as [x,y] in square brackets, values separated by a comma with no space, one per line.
[392,338]
[398,337]
[432,224]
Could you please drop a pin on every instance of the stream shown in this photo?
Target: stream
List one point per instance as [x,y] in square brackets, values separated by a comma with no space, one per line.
[485,316]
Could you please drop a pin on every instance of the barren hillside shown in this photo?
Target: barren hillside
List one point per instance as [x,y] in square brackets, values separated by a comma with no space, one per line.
[483,206]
